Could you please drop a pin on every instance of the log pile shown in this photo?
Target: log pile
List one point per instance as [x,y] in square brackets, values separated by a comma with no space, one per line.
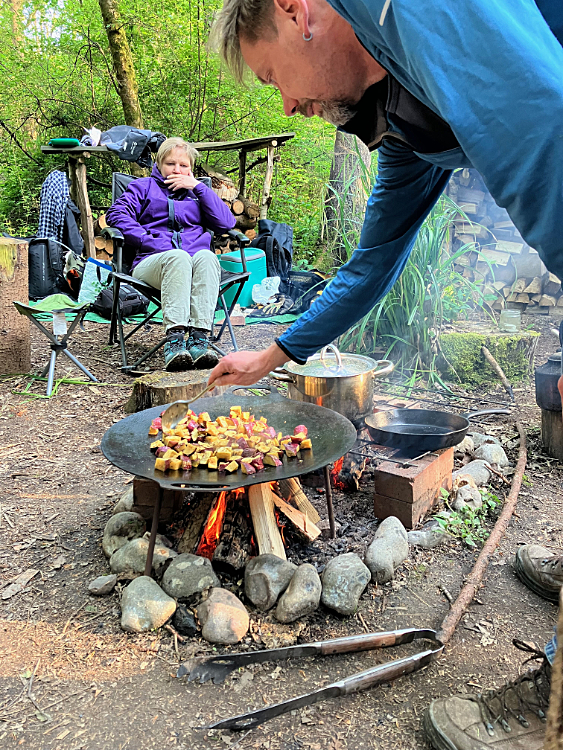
[513,272]
[245,211]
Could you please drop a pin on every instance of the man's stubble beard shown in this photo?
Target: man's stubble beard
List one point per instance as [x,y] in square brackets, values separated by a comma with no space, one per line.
[337,113]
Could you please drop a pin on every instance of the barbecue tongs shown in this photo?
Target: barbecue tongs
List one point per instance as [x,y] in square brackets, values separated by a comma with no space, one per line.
[218,667]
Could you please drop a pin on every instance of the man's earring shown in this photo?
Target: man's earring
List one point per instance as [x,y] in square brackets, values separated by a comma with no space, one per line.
[308,38]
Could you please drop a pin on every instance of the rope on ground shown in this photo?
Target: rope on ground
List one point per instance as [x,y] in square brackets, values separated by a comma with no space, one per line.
[473,582]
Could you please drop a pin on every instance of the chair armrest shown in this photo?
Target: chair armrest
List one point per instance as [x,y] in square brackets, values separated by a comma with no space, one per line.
[111,233]
[243,240]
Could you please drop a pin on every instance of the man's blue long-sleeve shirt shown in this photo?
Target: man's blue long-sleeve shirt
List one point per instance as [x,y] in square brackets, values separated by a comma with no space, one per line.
[494,72]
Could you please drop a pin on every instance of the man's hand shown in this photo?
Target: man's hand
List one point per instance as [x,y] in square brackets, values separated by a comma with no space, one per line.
[246,368]
[178,181]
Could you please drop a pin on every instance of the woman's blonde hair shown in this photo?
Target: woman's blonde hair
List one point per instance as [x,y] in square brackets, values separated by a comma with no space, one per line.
[170,144]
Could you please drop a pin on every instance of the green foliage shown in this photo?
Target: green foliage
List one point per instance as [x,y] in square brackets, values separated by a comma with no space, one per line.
[57,77]
[468,524]
[406,324]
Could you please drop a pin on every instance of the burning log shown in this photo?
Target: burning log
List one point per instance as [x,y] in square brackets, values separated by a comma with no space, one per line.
[198,514]
[291,490]
[302,523]
[235,544]
[268,538]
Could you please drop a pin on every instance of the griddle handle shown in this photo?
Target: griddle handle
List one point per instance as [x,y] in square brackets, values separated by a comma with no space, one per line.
[368,641]
[273,393]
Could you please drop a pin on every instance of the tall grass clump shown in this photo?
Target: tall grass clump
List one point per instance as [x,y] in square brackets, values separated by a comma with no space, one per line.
[407,322]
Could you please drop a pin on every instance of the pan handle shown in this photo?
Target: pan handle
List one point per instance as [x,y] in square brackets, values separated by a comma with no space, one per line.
[387,368]
[281,375]
[470,414]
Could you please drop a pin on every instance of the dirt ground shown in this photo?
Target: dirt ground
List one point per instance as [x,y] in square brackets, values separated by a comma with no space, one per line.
[70,678]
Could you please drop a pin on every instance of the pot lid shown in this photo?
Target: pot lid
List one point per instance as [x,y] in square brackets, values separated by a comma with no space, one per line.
[333,365]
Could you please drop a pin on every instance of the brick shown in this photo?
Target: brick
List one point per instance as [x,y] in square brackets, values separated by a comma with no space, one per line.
[145,494]
[409,485]
[408,513]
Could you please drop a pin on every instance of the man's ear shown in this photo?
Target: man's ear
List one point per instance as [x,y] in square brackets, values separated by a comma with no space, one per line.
[295,11]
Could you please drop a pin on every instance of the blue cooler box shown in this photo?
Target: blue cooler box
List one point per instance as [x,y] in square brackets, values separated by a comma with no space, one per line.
[256,265]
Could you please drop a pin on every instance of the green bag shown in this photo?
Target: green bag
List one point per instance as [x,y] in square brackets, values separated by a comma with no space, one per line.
[64,142]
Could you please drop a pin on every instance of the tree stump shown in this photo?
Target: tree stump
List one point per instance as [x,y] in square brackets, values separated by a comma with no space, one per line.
[462,359]
[158,388]
[15,346]
[552,433]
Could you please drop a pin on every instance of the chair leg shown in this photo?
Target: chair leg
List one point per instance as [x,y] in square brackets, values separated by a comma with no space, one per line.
[51,376]
[79,365]
[227,322]
[113,322]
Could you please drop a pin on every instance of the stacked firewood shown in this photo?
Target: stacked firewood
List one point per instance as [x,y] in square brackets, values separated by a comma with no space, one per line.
[513,272]
[245,210]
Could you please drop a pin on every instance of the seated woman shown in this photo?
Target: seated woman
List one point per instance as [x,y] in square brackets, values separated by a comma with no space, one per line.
[164,217]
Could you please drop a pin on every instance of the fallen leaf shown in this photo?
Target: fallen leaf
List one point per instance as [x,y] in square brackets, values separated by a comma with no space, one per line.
[19,583]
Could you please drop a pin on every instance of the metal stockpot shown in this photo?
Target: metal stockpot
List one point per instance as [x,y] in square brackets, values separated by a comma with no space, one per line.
[341,382]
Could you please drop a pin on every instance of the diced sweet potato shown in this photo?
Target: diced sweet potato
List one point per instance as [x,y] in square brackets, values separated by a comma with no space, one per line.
[306,444]
[258,463]
[270,432]
[157,422]
[186,463]
[153,431]
[223,453]
[212,463]
[231,467]
[156,444]
[170,453]
[263,447]
[298,438]
[301,428]
[245,416]
[236,411]
[160,464]
[271,460]
[291,450]
[259,427]
[161,450]
[212,429]
[175,464]
[248,468]
[204,417]
[263,420]
[222,421]
[195,460]
[188,449]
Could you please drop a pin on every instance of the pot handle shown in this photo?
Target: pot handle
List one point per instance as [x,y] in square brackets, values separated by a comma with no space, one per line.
[387,368]
[470,414]
[336,353]
[281,375]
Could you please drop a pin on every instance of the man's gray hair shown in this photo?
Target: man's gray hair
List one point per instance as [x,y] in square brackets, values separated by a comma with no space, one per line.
[249,19]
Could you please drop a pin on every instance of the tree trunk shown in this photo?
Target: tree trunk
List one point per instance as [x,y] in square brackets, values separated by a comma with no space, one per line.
[346,199]
[122,63]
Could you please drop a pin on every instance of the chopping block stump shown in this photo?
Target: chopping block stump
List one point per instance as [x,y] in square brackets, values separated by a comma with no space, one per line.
[410,493]
[159,388]
[15,344]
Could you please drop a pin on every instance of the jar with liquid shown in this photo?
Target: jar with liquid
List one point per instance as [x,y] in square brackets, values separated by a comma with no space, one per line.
[509,321]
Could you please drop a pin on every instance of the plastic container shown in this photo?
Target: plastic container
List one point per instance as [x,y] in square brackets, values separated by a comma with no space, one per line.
[509,321]
[261,293]
[256,265]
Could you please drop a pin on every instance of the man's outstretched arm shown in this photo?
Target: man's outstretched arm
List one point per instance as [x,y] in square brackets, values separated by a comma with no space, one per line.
[405,191]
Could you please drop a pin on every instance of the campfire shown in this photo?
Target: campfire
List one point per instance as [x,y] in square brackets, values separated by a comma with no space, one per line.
[230,527]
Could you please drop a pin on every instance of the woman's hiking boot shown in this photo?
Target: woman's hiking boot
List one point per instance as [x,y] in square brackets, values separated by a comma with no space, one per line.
[176,355]
[540,570]
[203,356]
[510,718]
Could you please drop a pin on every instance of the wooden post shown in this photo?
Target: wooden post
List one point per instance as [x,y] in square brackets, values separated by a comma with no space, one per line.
[266,529]
[242,172]
[15,346]
[80,190]
[266,197]
[554,729]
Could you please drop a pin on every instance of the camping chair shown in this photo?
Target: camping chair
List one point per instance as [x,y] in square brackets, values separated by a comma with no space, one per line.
[228,280]
[57,305]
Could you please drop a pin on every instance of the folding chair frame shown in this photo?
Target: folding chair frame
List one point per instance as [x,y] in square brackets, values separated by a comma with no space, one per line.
[118,278]
[57,345]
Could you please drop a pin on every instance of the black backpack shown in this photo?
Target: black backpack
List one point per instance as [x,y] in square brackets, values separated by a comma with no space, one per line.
[276,240]
[131,302]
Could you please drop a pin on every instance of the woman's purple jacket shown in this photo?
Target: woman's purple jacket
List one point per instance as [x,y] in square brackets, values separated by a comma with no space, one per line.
[141,214]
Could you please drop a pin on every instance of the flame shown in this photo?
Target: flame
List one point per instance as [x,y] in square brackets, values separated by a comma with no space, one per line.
[334,475]
[213,527]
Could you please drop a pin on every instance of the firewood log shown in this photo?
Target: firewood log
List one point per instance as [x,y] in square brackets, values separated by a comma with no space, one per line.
[292,491]
[304,525]
[268,538]
[237,207]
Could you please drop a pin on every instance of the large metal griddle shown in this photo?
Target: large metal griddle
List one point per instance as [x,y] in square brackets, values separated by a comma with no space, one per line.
[127,445]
